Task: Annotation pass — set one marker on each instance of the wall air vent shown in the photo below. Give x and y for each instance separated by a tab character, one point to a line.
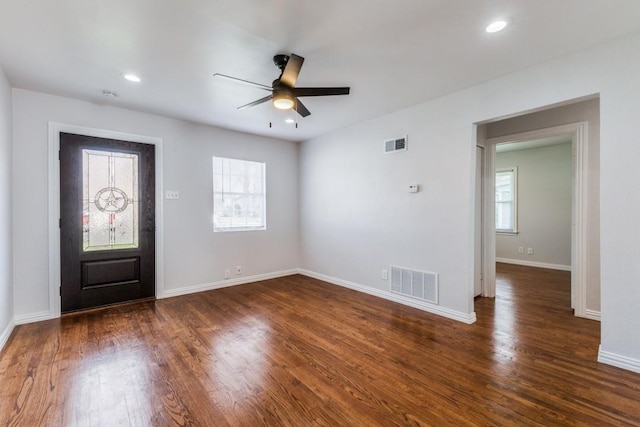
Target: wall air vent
420	285
396	144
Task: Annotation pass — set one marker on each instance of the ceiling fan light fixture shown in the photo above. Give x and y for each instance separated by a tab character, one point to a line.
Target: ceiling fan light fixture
283	101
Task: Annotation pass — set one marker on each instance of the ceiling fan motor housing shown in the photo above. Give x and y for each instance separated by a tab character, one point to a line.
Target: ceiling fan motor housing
281	60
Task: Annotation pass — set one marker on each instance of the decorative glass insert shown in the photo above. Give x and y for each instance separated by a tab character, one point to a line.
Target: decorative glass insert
238	195
110	201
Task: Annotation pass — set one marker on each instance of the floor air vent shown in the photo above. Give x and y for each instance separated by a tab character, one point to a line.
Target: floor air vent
397	144
415	284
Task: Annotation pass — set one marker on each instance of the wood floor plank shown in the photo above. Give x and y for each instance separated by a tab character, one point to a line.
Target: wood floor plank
296	351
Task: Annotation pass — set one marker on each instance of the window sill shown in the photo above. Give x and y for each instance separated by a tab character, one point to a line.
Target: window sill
507	233
228	230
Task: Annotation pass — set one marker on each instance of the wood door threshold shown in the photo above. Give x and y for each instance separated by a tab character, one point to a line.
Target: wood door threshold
107	306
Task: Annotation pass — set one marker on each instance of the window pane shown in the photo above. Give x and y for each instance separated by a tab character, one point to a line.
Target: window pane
505	209
238	195
504	186
504	217
237	183
255	185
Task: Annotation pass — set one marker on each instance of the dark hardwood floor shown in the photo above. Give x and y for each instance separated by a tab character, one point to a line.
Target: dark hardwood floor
300	352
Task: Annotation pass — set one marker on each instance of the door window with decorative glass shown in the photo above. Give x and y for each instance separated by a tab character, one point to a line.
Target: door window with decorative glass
110	200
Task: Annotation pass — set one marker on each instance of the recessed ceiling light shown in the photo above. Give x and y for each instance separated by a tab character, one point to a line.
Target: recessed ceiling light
496	26
289	120
132	78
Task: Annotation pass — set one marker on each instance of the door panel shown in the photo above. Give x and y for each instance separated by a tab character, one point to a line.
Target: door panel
114	272
107	224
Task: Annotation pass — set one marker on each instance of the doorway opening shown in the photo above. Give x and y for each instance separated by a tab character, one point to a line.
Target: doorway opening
576	133
533	211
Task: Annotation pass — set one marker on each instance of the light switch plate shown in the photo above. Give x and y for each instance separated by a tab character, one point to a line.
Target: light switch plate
172	195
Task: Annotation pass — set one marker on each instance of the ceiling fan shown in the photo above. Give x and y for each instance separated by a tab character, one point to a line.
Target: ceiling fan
284	93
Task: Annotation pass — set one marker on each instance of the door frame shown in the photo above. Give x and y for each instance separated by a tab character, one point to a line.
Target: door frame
54	204
478	264
579	132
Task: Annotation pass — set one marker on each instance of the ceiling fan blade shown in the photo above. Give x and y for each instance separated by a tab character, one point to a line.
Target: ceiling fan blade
254	103
291	70
321	91
246	82
301	109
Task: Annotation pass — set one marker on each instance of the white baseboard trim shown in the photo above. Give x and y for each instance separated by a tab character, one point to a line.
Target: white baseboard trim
618	361
388	295
225	283
592	314
4	337
33	317
425	306
534	264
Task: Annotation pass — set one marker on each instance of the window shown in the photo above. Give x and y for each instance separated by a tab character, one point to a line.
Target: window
238	195
506	200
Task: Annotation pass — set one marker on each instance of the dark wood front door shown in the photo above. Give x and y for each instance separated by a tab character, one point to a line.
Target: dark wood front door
107	221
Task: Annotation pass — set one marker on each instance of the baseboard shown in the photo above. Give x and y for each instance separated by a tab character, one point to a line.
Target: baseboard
6	333
425	306
33	317
534	264
618	361
46	315
440	311
592	314
225	283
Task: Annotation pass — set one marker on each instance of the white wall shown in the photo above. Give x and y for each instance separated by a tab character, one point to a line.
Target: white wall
6	284
357	217
544	205
193	254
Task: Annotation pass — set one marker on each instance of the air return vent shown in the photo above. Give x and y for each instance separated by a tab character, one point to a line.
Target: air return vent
420	285
397	144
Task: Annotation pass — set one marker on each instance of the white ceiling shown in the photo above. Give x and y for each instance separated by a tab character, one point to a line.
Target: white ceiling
393	54
534	143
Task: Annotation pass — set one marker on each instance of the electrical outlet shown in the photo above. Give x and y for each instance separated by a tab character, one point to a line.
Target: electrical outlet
529	251
384	275
238	270
227	274
521	250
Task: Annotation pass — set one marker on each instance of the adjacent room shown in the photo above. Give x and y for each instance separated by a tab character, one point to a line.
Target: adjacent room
332	213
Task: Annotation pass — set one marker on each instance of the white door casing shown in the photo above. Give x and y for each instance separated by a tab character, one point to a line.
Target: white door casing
579	210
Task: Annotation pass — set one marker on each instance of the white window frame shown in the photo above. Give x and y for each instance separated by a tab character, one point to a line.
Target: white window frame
232	228
514	201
